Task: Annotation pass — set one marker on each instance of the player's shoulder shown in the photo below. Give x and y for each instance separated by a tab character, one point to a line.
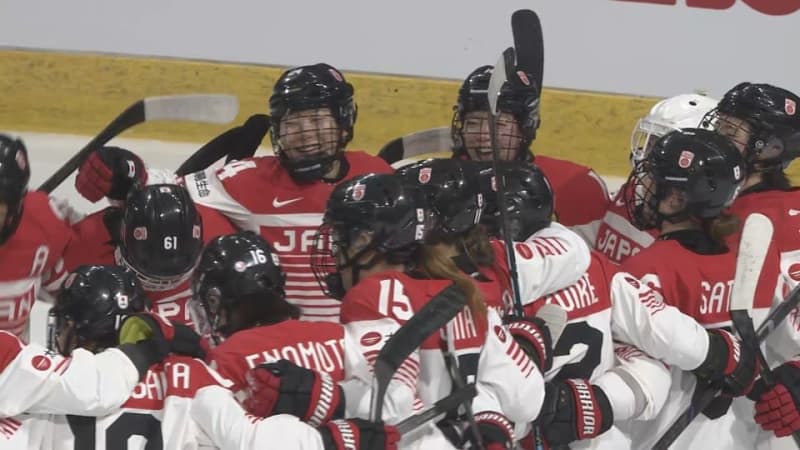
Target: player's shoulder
10	346
362	162
39	207
184	375
650	258
559	168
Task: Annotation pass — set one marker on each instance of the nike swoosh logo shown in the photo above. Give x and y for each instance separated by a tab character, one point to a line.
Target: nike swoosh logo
793	212
278	204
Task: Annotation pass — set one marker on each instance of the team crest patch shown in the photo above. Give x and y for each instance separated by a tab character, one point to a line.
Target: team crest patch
358	191
501	334
790	107
424	175
524	78
371	338
685	159
794	272
140	233
21	161
41	362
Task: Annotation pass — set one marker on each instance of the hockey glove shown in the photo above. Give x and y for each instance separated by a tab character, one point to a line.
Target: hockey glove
532	334
172	337
110	172
285	388
730	362
497	432
358	434
574	410
778	407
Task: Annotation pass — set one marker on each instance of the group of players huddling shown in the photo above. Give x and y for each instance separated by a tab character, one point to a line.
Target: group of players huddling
244	307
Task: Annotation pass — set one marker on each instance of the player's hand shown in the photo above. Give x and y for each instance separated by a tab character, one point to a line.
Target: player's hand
110	172
730	362
778	406
497	432
358	434
171	337
285	388
532	334
574	410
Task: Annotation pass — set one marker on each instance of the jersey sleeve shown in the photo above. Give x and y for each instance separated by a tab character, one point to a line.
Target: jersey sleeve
551	259
207	188
228	426
637	386
639	316
508	381
60	236
37	381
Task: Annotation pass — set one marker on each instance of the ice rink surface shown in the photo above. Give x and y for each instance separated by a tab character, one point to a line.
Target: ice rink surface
48	152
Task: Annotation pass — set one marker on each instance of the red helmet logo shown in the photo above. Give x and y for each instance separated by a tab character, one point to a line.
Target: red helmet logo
424	175
358	191
140	233
685	159
21	162
336	74
524	78
790	107
196	232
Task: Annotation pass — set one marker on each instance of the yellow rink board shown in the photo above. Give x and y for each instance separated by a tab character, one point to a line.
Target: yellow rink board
80	93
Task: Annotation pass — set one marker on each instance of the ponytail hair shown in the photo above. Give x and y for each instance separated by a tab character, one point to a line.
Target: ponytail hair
434	263
721	227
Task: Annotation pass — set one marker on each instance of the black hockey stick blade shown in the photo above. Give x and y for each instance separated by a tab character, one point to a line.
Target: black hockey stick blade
445	405
208	108
709	393
414	145
237	143
529	43
430	318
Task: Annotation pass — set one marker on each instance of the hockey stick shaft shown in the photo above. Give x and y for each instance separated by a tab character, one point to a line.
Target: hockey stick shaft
442	406
211	108
430	318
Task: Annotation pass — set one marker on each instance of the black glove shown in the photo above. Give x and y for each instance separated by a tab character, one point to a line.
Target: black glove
358	434
248	138
110	172
574	410
733	365
497	432
286	388
532	334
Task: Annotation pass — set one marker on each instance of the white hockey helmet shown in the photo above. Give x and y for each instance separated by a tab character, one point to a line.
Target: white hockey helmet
680	111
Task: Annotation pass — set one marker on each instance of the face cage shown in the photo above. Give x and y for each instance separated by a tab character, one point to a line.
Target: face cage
473	135
644	137
323	260
641	197
306	144
152	283
204	312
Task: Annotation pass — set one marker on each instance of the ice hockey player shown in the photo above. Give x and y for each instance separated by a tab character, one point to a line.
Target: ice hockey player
618	236
682	189
580	194
33	238
764	124
158	234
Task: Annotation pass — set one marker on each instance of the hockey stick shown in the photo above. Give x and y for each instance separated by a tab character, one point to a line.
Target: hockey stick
756	236
529	44
442	406
433	140
431	317
207	108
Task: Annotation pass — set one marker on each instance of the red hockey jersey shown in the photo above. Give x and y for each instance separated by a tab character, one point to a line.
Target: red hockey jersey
258	194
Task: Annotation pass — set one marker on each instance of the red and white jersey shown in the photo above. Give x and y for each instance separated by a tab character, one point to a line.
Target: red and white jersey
154	416
487	355
259	194
617	237
550	259
31	259
580	195
315	346
94	245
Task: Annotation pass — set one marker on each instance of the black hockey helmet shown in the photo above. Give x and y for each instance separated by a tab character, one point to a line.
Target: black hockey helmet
518	96
528	196
311	87
15	172
235	271
94	300
161	235
702	166
452	191
379	206
770	134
